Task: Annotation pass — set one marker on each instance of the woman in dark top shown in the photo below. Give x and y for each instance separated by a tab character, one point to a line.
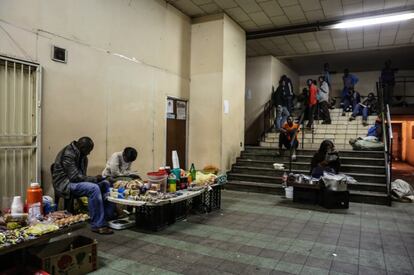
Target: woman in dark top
326	159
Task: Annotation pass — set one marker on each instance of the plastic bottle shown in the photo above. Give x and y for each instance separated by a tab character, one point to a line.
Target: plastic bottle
17	205
172	183
284	179
34	199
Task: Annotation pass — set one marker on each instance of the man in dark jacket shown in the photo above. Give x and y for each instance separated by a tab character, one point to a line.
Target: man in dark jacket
69	178
388	82
366	108
281	103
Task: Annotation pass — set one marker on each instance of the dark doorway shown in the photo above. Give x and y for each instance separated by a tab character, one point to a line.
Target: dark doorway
176	131
397	141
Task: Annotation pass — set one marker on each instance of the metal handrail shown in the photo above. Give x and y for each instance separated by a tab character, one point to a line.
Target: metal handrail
387	137
267	110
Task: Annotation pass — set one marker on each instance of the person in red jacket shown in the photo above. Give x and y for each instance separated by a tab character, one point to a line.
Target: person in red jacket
313	102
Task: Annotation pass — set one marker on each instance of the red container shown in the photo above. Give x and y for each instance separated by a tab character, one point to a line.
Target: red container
34	195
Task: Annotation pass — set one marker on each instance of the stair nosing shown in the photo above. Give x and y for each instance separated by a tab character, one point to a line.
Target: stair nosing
297	170
304	163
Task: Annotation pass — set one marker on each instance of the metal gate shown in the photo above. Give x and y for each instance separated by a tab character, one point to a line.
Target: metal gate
20	98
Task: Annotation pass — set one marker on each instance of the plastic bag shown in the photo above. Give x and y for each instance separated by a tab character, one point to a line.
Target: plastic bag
335	182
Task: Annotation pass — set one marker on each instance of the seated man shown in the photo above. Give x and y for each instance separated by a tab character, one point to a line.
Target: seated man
376	130
350	101
288	134
69	178
366	108
119	164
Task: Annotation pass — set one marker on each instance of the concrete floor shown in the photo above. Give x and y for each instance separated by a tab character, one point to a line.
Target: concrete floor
264	234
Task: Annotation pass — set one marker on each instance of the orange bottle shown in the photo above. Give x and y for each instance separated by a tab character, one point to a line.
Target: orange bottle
34	195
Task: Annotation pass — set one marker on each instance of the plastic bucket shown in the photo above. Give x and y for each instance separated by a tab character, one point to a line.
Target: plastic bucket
289	192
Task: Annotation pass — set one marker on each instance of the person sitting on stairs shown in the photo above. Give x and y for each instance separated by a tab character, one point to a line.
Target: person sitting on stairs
350	102
366	108
288	137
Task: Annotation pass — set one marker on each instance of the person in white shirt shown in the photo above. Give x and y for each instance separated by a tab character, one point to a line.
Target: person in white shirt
323	99
119	164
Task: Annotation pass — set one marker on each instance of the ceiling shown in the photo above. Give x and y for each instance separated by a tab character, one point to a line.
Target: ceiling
355	61
257	15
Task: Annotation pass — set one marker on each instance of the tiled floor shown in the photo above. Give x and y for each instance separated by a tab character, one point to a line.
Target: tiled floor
264	234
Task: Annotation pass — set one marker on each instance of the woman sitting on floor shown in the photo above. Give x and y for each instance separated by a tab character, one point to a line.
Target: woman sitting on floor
325	159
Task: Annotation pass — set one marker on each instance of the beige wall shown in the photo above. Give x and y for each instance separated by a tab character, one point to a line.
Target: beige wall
124	58
261	73
217	74
206	91
234	71
365	85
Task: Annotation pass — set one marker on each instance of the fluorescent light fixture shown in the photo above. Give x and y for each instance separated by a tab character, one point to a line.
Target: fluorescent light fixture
369	21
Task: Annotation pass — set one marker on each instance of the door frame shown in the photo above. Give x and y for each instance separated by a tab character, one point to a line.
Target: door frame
186	127
403	138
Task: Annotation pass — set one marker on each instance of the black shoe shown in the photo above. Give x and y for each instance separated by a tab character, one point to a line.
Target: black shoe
326	122
343	113
351	118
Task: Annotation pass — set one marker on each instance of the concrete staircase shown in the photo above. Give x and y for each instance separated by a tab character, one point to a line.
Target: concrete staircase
340	131
253	170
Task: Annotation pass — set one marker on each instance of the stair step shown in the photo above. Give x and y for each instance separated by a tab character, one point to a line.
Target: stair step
262	157
380	198
345	168
260	187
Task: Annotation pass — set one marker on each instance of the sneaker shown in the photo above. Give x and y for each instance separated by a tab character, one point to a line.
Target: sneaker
326	122
343	113
365	123
351	118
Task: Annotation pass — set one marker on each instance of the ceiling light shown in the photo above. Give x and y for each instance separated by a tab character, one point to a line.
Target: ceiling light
369	21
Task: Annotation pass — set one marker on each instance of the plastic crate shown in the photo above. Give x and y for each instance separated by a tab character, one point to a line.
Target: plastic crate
334	199
209	201
154	217
180	210
305	195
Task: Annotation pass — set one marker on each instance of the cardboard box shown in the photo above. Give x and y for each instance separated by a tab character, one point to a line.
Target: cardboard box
70	256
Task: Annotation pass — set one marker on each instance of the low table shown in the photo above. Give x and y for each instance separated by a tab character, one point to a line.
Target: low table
157	215
306	193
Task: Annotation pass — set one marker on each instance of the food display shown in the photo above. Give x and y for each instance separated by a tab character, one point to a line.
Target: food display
71	220
204	179
41	228
15	236
17	229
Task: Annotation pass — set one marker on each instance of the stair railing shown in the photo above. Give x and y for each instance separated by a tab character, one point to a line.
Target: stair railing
387	137
268	122
388	153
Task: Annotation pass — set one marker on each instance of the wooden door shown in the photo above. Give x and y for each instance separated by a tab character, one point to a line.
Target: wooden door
176	131
397	141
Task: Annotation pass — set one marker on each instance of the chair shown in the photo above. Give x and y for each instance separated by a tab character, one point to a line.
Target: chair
68	204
